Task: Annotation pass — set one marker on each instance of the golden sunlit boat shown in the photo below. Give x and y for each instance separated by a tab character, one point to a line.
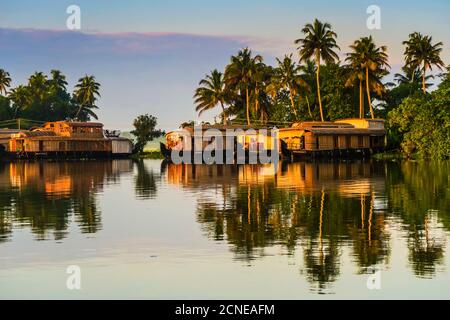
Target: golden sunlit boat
63	139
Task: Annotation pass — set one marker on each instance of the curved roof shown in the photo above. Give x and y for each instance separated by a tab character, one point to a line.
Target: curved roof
77	123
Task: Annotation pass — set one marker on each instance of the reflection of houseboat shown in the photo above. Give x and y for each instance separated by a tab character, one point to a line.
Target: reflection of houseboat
348	179
67	139
342	137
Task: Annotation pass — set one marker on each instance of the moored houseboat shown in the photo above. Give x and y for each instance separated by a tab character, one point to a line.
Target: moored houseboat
340	138
235	141
64	139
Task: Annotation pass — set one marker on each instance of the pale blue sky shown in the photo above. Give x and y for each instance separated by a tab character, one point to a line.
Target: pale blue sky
156	72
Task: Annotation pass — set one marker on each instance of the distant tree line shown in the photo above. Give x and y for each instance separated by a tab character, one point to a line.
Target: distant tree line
46	98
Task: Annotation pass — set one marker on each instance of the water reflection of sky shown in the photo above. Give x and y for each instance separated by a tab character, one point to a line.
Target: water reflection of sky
147	230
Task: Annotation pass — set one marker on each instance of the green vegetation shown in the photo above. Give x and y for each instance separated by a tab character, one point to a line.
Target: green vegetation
45	98
318	86
144	131
148	155
421	124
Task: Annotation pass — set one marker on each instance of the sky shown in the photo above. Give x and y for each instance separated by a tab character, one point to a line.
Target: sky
150	55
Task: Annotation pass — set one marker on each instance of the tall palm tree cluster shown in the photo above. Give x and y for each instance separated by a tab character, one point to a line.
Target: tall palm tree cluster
252	92
45	98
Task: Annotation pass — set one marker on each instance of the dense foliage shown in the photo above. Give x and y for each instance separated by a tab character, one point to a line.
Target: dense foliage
318	86
422	123
145	131
46	98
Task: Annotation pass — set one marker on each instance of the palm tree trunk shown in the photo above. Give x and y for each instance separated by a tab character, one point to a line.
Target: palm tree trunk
247	105
361	100
424	86
224	120
368	94
293	104
78	112
318	85
309	107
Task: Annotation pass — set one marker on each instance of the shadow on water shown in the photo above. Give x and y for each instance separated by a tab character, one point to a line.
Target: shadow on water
324	209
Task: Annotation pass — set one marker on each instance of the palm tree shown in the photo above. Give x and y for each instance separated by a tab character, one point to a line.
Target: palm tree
421	53
58	80
212	91
412	77
37	83
260	84
287	76
5	81
372	60
240	72
308	71
20	97
356	74
319	43
86	92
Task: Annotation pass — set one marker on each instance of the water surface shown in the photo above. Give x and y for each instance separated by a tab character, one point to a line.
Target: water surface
151	230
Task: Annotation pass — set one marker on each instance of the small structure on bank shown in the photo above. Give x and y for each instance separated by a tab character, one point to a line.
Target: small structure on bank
67	139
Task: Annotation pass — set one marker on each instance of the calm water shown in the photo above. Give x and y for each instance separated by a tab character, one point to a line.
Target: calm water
151	230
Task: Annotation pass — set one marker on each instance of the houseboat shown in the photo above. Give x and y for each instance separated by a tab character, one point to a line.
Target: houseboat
64	139
340	138
239	141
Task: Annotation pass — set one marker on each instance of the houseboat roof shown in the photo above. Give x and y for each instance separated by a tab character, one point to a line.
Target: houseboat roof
31	134
77	123
318	124
219	127
347	131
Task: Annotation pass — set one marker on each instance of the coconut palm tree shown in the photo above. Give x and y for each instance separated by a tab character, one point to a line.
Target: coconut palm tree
421	53
5	81
413	78
37	83
58	80
20	97
240	72
356	74
373	61
86	92
287	76
308	73
212	92
319	43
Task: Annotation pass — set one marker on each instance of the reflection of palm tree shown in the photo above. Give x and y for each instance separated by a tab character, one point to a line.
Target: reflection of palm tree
371	244
425	254
87	214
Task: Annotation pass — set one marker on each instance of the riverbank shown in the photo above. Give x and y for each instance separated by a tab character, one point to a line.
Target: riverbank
389	155
148	155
